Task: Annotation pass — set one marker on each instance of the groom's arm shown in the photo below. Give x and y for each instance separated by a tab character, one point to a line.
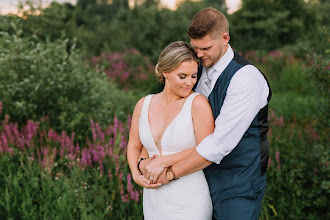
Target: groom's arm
190	164
246	95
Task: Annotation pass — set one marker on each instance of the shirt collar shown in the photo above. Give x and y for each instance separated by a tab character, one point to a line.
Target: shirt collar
224	60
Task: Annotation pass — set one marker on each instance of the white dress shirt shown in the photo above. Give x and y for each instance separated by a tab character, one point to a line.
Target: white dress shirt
246	94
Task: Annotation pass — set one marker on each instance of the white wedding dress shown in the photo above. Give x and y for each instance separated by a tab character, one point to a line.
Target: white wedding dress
187	197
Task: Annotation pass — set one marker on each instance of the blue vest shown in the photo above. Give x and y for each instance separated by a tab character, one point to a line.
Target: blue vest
249	158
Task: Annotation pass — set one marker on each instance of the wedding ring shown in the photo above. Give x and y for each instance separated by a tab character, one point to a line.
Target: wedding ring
151	178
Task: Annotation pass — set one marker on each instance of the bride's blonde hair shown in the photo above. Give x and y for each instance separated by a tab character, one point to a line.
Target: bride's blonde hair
172	56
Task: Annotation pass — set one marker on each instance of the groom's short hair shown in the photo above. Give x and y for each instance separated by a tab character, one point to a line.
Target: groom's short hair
208	21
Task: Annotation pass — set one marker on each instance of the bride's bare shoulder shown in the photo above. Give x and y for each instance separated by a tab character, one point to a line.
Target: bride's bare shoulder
202	115
139	105
200	103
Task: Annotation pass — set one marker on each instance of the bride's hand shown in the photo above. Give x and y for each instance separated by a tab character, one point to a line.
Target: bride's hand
144	163
154	169
142	181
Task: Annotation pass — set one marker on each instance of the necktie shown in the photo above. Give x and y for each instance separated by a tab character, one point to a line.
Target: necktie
206	83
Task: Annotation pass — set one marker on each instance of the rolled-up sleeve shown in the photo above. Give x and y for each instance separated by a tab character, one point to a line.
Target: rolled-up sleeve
246	95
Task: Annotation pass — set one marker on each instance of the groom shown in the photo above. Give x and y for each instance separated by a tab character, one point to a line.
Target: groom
235	156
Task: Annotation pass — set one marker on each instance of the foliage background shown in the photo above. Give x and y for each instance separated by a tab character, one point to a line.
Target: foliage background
70	76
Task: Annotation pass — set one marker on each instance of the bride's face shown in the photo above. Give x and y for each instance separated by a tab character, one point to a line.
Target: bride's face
181	80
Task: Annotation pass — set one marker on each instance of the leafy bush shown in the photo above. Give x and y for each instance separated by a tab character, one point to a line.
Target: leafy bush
43	78
318	63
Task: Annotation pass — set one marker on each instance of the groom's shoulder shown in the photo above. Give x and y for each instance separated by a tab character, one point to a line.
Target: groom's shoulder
241	60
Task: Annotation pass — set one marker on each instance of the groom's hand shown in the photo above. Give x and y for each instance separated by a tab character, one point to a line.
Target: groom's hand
154	169
162	178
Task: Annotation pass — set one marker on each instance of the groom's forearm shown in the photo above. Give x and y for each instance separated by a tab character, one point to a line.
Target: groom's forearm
190	164
172	159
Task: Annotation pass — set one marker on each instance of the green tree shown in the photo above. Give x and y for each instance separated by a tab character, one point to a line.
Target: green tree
267	24
218	4
86	3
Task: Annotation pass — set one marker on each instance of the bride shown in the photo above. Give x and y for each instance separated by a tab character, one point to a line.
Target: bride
170	124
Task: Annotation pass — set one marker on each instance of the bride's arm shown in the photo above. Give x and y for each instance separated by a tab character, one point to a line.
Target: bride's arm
202	118
203	126
134	148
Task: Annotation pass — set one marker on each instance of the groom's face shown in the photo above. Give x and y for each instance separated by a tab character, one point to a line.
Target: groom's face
209	49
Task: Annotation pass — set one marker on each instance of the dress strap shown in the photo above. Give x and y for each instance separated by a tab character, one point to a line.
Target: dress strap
146	104
144	110
191	98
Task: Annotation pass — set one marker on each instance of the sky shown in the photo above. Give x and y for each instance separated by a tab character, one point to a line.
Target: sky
7	6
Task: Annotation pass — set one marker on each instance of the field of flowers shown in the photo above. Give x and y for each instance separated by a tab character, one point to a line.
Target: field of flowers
46	175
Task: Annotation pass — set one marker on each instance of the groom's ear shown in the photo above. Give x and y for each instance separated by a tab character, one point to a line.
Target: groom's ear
225	38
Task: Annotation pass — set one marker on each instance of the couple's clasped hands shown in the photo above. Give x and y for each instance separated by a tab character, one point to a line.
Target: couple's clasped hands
153	173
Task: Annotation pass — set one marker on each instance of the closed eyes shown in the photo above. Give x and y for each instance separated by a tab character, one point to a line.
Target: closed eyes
184	76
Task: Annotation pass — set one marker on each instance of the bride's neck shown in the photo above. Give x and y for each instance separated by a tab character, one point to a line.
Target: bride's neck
169	97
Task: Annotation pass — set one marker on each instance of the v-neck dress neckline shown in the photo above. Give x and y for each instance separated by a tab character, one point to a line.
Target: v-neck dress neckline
167	127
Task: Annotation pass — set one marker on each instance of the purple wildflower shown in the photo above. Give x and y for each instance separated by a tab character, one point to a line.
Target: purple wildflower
277	159
276	53
109	174
311	131
269	162
93	129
